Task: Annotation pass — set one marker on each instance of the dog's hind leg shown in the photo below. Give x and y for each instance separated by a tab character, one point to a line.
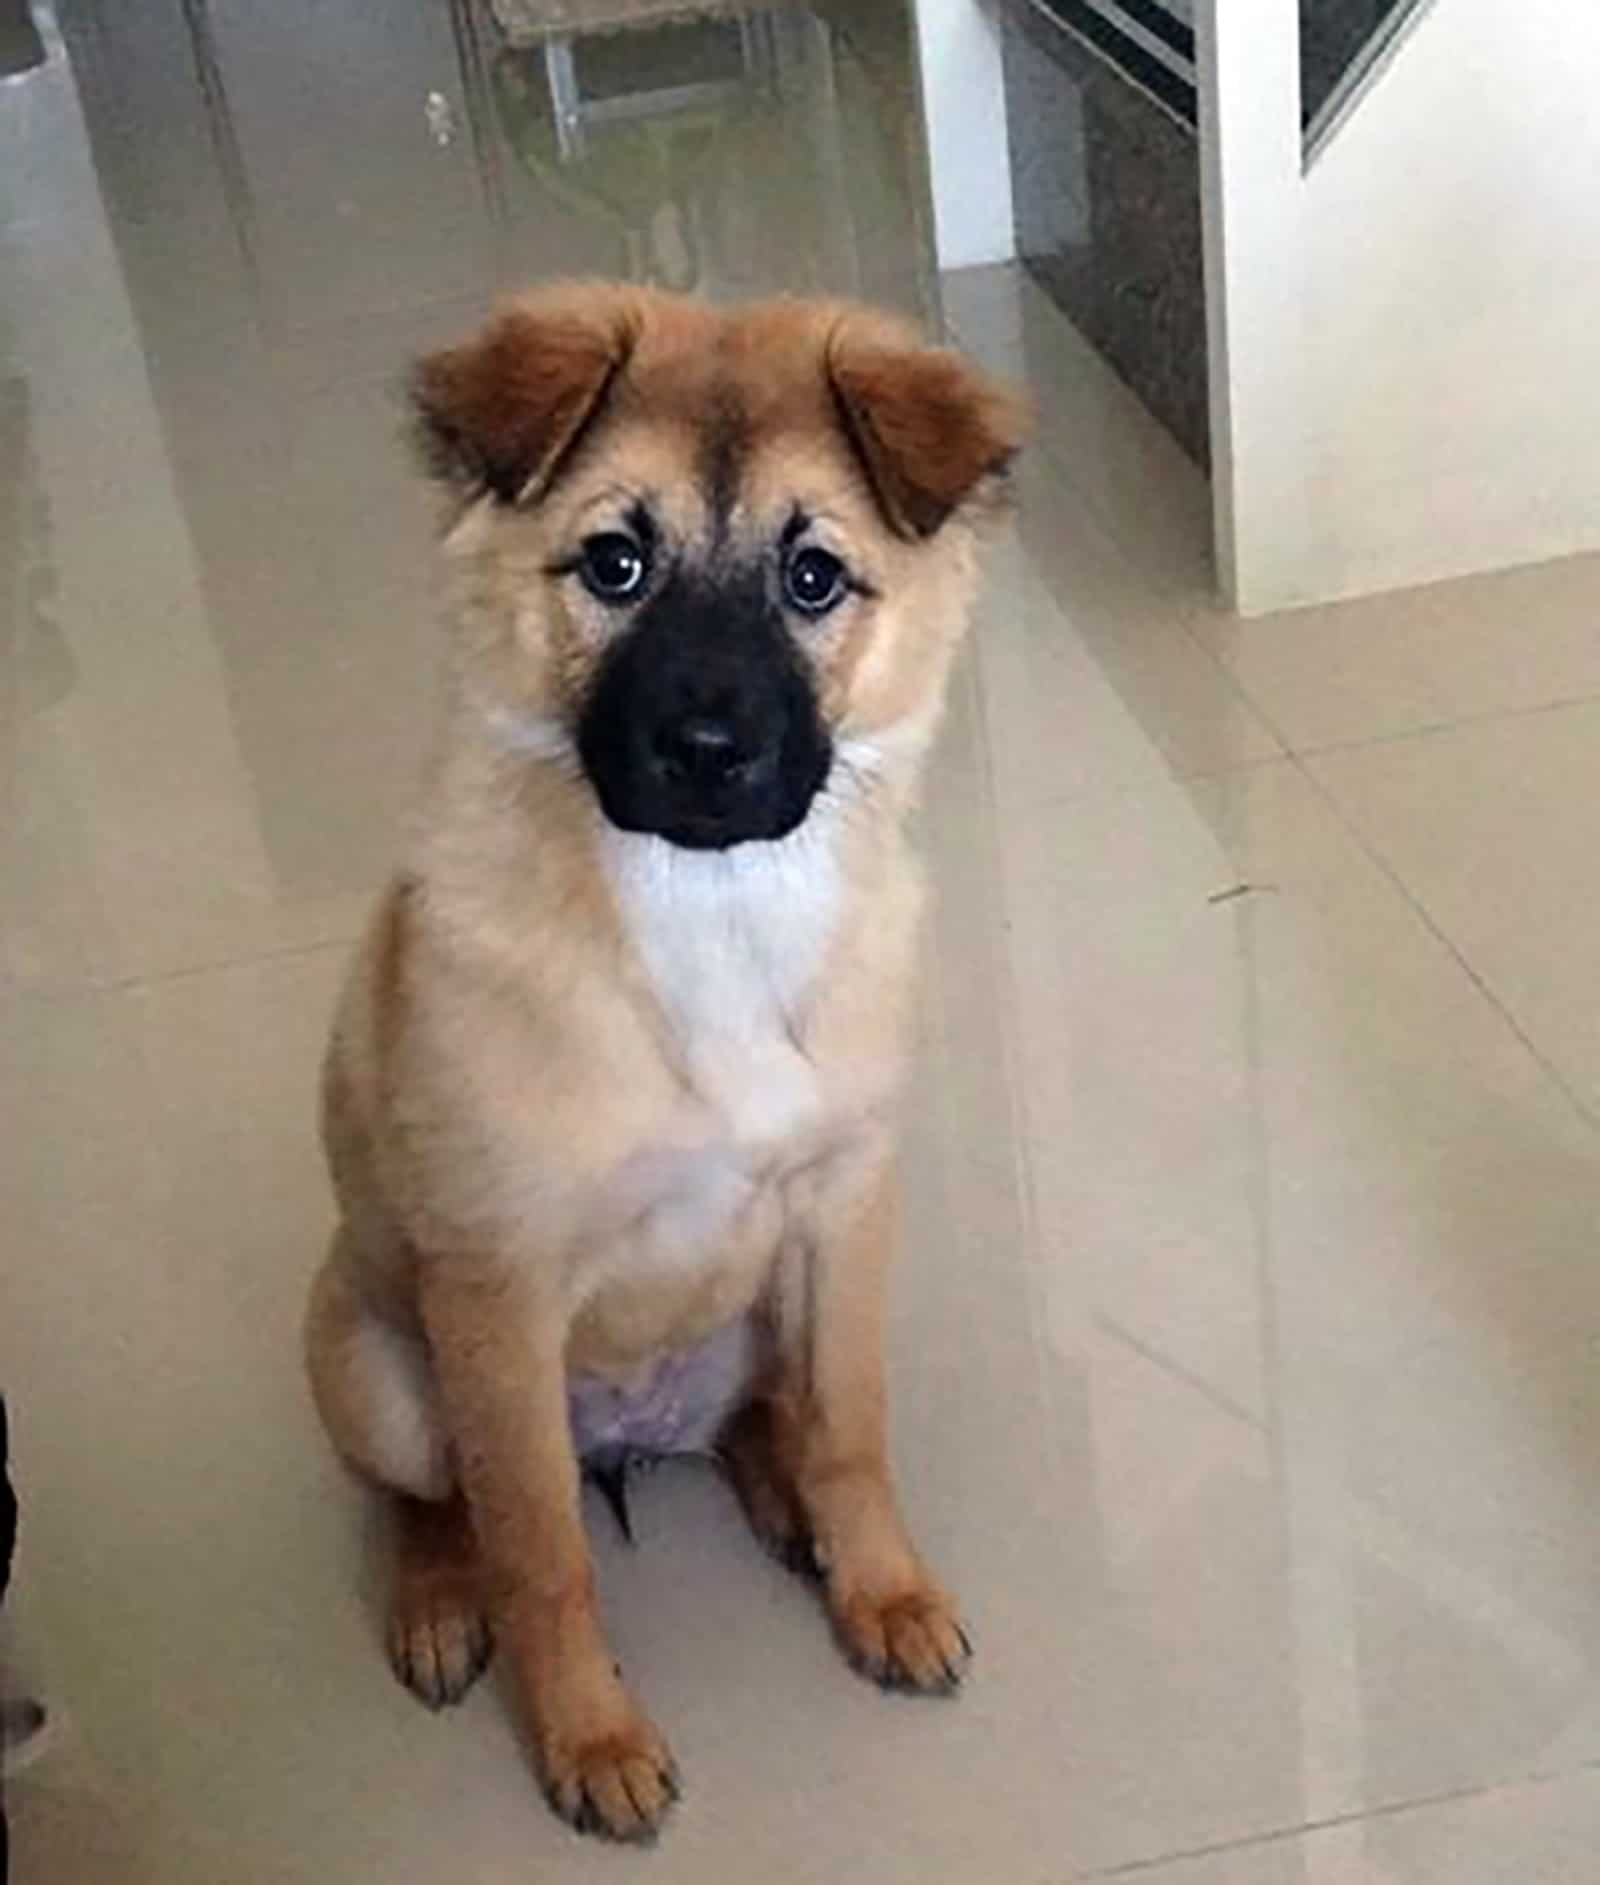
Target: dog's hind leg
374	1389
373	1385
438	1636
765	1487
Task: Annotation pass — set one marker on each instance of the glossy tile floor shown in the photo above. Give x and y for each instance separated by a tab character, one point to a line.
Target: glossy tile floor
1248	1337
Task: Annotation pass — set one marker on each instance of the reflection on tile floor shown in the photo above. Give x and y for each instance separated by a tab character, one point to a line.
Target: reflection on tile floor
1247	1337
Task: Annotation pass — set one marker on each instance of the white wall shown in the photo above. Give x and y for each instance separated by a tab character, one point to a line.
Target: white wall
1248	70
1407	339
963	97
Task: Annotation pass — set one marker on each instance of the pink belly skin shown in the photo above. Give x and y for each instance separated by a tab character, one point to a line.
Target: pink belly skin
680	1406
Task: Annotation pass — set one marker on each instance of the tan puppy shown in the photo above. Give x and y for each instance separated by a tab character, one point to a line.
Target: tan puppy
610	1101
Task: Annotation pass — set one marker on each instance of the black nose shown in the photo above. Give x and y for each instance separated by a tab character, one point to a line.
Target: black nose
701	751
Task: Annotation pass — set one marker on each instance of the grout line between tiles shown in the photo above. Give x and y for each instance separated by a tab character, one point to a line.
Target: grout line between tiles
1385	1810
1374	856
1186	1377
292	952
1433	729
161	978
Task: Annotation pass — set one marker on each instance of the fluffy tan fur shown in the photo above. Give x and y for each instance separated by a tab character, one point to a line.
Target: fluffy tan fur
590	1099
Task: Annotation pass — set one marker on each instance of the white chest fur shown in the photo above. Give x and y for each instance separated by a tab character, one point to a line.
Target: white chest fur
733	943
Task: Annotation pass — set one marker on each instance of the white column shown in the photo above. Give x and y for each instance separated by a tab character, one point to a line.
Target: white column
1250	188
963	97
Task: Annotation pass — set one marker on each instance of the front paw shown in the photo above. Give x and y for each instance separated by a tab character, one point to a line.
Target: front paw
909	1639
617	1781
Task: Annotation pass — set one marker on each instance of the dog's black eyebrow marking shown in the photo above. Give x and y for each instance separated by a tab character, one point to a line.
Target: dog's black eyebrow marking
799	523
641	523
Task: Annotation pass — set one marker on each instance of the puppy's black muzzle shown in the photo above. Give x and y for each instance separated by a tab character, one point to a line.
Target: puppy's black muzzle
702	726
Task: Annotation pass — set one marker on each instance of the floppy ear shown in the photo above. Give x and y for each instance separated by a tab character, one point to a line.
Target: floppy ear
503	411
930	429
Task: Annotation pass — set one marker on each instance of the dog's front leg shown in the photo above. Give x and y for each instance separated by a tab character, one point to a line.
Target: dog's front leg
498	1346
895	1622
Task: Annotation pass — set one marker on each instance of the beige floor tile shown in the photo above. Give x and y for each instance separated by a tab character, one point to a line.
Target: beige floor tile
1282	1149
1367	670
1486	826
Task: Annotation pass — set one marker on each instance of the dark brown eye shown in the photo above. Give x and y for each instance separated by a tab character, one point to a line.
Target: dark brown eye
814	580
613	566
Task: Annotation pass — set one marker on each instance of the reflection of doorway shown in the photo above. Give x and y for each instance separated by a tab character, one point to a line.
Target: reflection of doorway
415	156
659	135
628	122
598	75
285	158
